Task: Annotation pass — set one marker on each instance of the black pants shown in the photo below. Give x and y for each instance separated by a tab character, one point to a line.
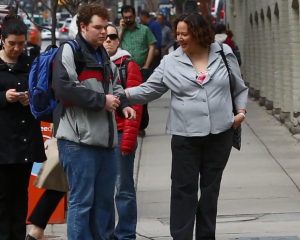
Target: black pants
192	156
14	180
145	115
45	207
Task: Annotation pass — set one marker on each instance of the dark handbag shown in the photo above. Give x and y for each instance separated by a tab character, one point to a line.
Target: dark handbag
237	134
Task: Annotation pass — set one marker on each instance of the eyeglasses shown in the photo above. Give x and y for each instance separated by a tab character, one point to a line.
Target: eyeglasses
113	36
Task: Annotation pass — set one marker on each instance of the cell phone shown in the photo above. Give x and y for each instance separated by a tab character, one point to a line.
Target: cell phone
21	93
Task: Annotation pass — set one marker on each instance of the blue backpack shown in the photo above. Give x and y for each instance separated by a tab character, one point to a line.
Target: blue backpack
42	100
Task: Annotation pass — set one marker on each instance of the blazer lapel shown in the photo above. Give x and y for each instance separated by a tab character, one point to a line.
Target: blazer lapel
213	63
185	67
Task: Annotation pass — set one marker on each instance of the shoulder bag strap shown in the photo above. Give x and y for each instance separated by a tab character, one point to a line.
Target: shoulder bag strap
232	84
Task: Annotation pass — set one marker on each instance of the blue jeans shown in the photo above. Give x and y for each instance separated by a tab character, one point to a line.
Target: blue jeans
125	198
91	173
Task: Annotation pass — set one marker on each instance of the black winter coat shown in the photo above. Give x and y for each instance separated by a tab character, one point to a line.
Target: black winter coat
21	138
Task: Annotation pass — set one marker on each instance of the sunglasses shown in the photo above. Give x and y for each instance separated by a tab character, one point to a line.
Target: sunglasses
113	36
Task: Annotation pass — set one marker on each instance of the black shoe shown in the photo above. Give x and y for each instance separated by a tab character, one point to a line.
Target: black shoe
28	237
142	133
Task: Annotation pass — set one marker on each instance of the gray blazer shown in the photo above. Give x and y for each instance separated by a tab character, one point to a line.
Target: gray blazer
195	110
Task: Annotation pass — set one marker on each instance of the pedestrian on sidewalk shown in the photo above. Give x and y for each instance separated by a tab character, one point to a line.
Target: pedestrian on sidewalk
221	36
167	39
125	197
85	127
21	139
200	119
139	41
236	51
155	28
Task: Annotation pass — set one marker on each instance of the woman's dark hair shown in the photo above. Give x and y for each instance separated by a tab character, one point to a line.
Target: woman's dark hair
13	25
229	33
198	27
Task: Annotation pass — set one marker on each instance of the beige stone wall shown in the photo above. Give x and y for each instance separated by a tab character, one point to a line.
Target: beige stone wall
267	33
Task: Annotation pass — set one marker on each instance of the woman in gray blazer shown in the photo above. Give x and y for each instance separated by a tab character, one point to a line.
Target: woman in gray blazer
200	119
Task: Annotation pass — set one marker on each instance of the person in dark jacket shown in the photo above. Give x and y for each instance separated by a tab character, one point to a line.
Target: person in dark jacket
89	100
236	48
21	139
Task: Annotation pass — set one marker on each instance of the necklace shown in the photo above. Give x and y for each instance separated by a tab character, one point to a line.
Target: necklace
200	76
199	73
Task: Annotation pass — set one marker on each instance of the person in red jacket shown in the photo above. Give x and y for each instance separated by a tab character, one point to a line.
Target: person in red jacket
221	36
125	197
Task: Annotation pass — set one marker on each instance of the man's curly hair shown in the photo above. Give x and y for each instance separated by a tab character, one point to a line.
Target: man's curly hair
198	27
86	12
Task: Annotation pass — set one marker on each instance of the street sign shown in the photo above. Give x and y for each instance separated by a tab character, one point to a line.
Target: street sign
165	5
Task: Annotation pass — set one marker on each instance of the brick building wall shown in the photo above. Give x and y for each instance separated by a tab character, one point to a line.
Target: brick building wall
267	33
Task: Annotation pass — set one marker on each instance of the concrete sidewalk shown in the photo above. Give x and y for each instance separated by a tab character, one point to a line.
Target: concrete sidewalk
259	195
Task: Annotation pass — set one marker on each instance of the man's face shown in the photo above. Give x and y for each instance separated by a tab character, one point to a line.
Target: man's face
160	19
129	18
95	32
143	19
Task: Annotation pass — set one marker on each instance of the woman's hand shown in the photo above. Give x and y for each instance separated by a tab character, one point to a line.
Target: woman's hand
12	95
24	99
238	119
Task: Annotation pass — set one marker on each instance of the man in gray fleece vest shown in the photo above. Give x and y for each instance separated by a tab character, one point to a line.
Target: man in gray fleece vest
88	87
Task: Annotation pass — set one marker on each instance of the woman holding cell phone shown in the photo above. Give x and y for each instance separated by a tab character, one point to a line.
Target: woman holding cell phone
21	141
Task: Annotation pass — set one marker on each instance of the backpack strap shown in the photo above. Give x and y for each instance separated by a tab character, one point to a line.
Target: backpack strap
123	72
77	50
232	84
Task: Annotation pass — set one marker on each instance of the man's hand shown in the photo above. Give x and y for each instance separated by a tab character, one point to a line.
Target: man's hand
129	113
122	24
24	99
12	95
238	119
156	52
112	102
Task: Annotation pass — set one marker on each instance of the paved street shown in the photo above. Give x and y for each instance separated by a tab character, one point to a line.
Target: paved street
260	194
